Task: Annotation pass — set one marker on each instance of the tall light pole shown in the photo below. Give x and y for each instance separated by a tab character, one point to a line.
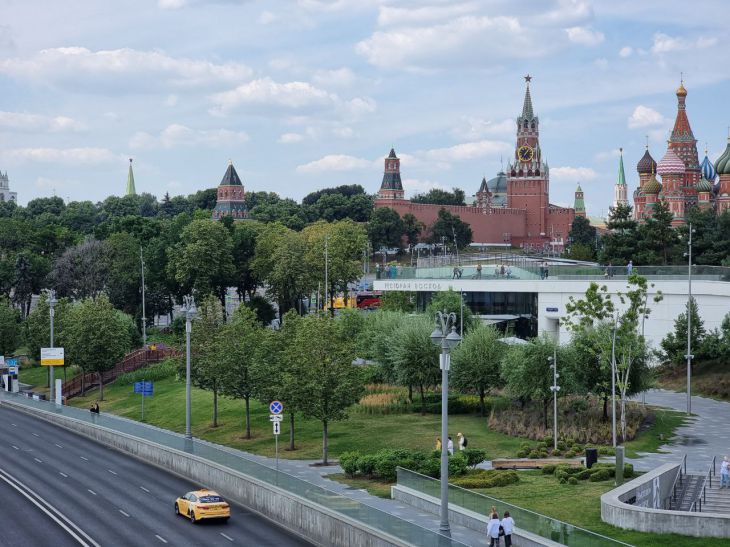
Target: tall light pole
446	340
326	271
190	311
461	316
52	311
555	388
689	322
613	382
144	315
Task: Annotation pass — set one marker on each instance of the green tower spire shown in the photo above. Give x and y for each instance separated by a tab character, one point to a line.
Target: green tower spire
130	180
579	205
621	175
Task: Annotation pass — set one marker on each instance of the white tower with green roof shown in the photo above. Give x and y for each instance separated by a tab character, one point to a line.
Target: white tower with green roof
619	190
130	181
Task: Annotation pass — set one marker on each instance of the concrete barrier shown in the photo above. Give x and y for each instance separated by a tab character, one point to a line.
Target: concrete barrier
312	521
464	517
637	505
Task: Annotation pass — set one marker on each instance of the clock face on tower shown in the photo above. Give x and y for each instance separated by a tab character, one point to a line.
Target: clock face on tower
524	153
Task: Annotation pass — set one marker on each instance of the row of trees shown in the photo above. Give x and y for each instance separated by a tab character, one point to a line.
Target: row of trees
387	229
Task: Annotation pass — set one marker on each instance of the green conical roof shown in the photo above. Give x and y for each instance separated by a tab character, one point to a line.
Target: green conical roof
579	205
130	180
527	105
621	175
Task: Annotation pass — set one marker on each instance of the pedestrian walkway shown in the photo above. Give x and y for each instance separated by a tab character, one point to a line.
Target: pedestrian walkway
706	433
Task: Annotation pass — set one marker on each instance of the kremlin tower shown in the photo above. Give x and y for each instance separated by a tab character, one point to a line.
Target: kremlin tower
619	190
391	187
231	201
579	204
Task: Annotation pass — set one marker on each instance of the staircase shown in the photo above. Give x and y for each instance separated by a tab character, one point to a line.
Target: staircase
717	500
691	490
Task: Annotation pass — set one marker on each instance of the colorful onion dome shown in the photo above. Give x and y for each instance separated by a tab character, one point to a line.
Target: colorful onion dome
722	165
681	91
670	164
708	170
704	185
652	186
646	164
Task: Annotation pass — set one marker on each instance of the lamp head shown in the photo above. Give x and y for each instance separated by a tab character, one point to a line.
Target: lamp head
453	339
437	336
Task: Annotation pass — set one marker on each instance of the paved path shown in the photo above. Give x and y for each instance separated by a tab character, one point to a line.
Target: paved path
706	434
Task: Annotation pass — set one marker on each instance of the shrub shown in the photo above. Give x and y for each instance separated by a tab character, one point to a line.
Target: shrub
522	453
457	465
628	470
560	475
160	371
572	480
534	454
431	467
548	469
486	479
563	480
570	454
547	440
561	446
606	451
349	463
366	464
584	475
600	475
474	456
568	470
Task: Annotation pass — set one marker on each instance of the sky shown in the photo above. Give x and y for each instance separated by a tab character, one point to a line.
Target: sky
307	94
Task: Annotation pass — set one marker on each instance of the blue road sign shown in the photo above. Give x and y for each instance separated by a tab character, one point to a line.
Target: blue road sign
12	364
145	388
276	407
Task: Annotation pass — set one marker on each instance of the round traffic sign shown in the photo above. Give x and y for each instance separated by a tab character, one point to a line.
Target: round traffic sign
276	407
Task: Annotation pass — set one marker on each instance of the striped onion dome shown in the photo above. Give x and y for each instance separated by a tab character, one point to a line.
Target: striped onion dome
652	186
704	185
708	170
722	165
670	164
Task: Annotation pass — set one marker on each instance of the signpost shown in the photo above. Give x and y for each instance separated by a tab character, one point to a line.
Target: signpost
52	357
276	408
146	388
12	365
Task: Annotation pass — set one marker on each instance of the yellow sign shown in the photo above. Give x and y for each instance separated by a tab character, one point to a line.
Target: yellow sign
52	357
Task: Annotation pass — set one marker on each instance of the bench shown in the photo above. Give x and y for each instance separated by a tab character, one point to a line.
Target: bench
529	463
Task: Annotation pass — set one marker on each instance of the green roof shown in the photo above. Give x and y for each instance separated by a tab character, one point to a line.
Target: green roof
621	176
130	180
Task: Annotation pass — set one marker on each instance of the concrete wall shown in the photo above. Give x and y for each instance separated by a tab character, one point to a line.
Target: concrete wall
464	517
303	517
636	506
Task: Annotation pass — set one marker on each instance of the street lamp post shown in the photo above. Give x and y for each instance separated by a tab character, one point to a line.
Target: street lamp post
613	382
445	337
52	312
190	311
461	317
144	314
689	322
555	388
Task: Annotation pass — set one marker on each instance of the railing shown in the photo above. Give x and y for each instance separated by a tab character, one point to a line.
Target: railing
131	362
530	521
706	482
681	472
243	463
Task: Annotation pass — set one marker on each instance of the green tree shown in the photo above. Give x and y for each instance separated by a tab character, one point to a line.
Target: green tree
398	301
595	306
657	238
475	362
450	301
236	354
378	335
201	263
329	382
244	249
124	273
97	336
82	271
412	228
450	226
582	232
385	228
441	197
620	243
37	327
9	327
674	344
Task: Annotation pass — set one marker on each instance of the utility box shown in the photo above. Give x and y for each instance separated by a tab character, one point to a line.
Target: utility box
591	457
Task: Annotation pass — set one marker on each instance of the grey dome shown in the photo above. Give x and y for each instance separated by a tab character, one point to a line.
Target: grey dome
498	188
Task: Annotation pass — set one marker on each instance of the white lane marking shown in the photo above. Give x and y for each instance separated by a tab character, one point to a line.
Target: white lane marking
92	492
123	513
112	472
85	459
163	540
15	447
58	445
229	538
143	488
64	475
49	510
36	434
39	461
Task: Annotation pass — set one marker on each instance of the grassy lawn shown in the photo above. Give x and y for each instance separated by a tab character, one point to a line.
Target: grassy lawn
709	379
38	376
666	421
374	487
364	432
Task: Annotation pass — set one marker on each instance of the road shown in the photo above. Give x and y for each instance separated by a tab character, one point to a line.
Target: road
58	488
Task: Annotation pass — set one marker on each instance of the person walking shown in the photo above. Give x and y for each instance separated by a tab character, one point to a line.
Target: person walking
493	530
542	271
438	444
508	526
479	270
629	267
455	275
462	441
377	271
450	447
610	270
724	473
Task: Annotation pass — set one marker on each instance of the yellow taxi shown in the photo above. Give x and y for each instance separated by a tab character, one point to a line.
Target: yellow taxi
202	504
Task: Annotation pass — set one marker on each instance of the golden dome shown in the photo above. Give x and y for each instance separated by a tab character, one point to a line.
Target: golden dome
681	91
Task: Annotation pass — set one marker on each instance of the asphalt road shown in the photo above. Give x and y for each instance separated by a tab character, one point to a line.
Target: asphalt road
58	488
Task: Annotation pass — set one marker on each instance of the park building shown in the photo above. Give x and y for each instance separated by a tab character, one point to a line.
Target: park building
5	193
512	208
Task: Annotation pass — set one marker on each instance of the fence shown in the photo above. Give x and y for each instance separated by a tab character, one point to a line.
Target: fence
131	362
535	523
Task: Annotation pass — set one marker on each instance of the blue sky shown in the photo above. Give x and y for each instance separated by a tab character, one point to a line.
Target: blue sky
303	94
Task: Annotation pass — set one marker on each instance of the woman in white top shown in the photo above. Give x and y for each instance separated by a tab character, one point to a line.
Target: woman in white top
508	525
724	473
493	530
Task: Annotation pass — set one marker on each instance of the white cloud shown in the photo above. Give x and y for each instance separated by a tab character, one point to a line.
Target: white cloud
468	150
266	18
360	106
388	15
626	51
66	156
80	67
643	116
584	36
175	135
290	138
341	77
572	174
477	128
334	5
607	155
171	100
21	121
335	162
664	43
171	4
265	91
343	132
418	186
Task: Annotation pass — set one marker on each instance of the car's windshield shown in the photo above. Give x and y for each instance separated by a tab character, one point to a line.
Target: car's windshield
210	499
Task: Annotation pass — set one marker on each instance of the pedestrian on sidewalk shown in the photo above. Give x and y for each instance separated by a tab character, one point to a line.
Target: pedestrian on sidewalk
724	473
493	530
462	441
479	270
629	267
438	444
508	526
